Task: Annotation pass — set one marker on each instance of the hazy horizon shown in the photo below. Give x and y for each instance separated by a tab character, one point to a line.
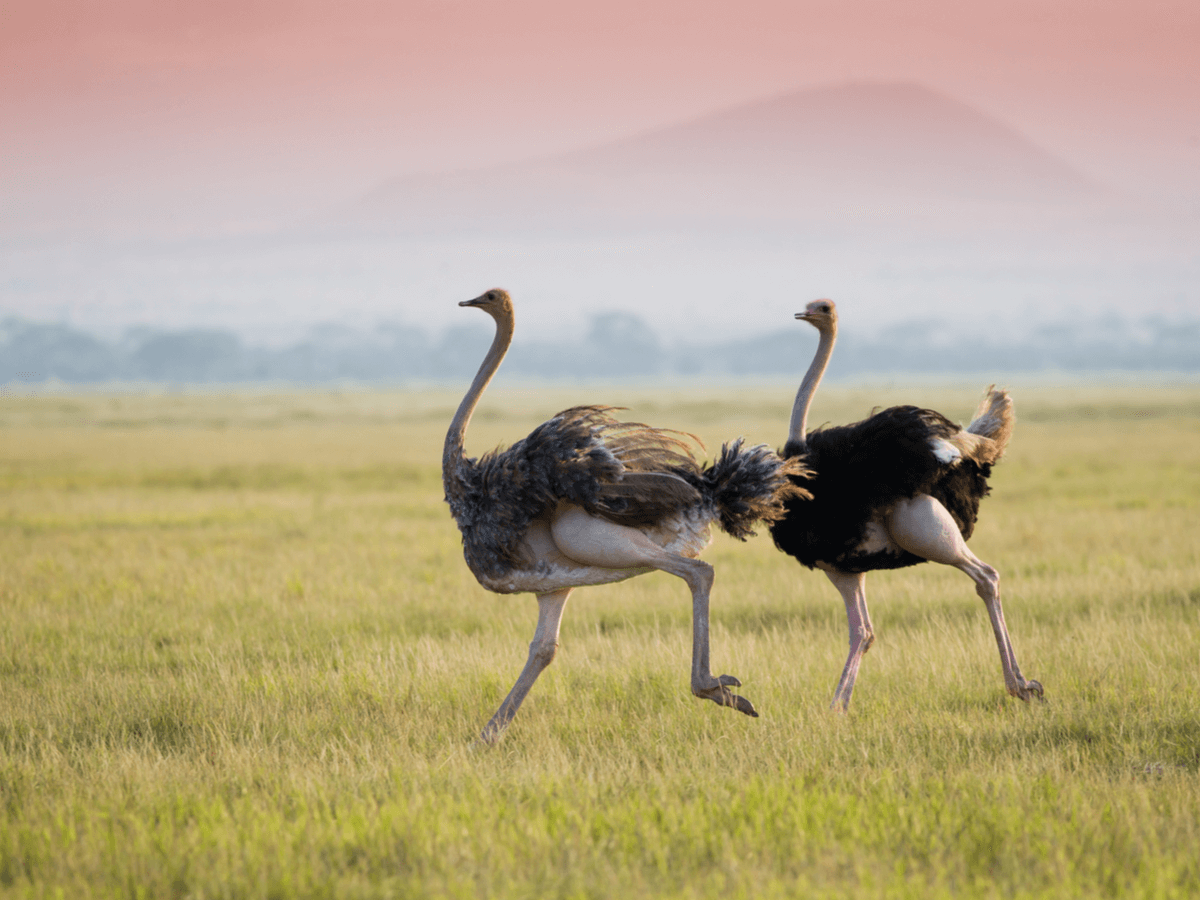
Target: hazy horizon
173	166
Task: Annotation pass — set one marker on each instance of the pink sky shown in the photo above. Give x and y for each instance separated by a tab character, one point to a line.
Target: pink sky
196	112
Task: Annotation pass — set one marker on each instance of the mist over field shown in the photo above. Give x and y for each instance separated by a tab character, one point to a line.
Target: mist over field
614	346
952	242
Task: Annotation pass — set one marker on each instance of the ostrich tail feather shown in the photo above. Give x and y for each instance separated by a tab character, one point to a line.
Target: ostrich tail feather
993	420
749	485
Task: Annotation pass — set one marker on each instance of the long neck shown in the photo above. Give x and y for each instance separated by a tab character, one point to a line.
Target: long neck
456	436
798	429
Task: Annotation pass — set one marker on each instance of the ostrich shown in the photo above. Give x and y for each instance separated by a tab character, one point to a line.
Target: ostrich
586	499
896	489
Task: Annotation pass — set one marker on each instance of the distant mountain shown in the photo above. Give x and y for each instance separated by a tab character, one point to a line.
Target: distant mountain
848	152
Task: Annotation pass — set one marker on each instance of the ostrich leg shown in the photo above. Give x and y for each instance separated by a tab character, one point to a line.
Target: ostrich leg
593	541
924	527
853	588
541	654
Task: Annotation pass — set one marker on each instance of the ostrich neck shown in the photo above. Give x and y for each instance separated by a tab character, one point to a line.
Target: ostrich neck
798	429
453	455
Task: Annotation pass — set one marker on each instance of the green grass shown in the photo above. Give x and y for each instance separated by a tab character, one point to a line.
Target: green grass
241	656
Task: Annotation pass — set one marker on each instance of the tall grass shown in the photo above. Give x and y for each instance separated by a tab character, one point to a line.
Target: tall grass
241	656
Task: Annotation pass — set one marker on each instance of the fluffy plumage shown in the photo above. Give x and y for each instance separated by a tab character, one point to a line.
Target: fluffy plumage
752	485
859	471
891	491
588	499
626	472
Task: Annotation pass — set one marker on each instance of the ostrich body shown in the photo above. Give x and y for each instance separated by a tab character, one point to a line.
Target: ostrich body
896	489
586	499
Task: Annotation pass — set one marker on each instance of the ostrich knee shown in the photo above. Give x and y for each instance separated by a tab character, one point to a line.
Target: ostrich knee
987	583
542	653
699	577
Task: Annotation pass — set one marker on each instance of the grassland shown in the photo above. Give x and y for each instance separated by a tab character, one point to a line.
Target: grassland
240	656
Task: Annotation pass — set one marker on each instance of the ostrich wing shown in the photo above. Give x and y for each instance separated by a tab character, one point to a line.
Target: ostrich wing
627	472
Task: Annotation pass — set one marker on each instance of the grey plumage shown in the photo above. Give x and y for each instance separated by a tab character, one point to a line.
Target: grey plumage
753	485
587	499
626	472
583	456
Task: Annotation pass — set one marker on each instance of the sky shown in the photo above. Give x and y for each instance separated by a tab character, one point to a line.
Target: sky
162	119
282	105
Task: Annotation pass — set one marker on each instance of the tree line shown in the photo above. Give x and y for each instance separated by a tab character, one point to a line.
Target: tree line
616	345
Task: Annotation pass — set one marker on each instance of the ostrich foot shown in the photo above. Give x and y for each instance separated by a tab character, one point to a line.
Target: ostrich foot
489	737
1027	690
718	691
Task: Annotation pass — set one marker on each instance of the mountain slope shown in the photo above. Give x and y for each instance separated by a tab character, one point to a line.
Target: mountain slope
847	151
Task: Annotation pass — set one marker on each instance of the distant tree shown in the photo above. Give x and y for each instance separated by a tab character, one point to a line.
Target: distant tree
32	351
457	354
620	343
407	351
616	345
193	355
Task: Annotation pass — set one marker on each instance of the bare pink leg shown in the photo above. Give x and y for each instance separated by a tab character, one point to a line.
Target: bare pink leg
924	527
597	542
541	654
853	588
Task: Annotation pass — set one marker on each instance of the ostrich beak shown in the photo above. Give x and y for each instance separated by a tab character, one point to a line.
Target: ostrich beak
475	302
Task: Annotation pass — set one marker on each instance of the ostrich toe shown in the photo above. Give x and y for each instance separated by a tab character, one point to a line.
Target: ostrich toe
718	691
1027	690
742	705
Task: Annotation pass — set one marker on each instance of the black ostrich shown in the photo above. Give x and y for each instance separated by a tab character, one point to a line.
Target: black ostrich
898	488
587	499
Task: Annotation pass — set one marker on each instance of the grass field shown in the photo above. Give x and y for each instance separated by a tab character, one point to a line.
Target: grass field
241	656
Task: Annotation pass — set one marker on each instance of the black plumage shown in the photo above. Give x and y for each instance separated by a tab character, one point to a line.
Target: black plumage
888	492
861	470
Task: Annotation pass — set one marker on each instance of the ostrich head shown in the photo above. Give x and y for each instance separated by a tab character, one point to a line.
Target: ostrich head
496	303
820	314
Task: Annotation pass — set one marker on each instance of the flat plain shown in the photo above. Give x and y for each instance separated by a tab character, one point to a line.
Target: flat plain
241	656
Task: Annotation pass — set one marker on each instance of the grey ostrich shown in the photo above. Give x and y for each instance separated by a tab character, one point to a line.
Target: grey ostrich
899	488
586	499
